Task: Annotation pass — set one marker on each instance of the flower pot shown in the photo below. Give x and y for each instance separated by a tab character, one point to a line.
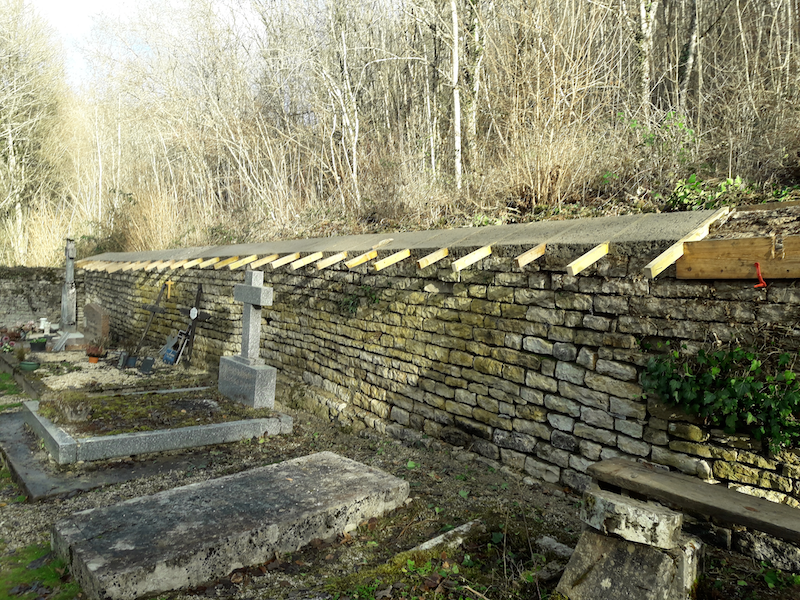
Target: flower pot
28	365
94	359
38	346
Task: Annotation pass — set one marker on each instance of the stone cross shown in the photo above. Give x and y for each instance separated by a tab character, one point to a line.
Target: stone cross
69	297
254	295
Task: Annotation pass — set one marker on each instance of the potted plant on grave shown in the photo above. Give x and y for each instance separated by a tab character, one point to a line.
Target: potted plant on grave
25	365
39	344
95	352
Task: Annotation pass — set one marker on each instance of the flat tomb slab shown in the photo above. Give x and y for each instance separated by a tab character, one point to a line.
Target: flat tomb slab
192	534
65	449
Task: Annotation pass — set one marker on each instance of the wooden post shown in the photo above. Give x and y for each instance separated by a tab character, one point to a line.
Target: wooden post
471	258
390	260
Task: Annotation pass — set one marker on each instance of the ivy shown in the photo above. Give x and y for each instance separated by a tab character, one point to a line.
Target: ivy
732	389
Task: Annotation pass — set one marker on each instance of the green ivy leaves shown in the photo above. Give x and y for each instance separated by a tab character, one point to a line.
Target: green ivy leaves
731	389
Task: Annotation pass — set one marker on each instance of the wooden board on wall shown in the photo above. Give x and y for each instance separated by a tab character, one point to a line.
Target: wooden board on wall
735	259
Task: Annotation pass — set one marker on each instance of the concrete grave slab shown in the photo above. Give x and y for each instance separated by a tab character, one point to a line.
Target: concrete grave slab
633	520
65	449
604	567
189	535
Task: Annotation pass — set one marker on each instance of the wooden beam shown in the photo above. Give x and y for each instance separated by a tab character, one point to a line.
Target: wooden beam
242	262
114	267
382	243
178	264
735	259
471	258
225	263
433	257
154	265
208	263
263	261
393	259
531	255
768	206
132	266
192	263
331	260
80	264
99	265
87	265
587	260
308	259
674	252
361	259
166	264
285	260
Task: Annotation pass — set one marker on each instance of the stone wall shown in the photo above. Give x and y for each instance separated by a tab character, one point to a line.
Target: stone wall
28	294
532	368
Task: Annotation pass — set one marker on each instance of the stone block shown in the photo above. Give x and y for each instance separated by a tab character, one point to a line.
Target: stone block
251	384
570	372
604	567
542	471
96	323
646	523
189	535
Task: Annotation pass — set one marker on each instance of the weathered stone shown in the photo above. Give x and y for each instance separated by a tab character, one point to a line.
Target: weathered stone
763	547
597	418
552	546
584	396
589	449
548	316
514	440
573	301
613	305
687	432
575	480
602	436
552	454
632	446
627	408
562	405
742	474
96	324
563	441
562	422
630	428
542	471
539	430
643	522
621	389
580	463
616	370
655	436
570	372
531	413
603	567
565	352
541	382
683	463
597	323
587	358
192	534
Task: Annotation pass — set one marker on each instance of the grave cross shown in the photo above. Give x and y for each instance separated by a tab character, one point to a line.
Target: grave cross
196	316
254	296
153	308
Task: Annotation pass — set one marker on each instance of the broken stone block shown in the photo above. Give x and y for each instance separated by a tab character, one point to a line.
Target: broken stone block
780	554
604	567
636	521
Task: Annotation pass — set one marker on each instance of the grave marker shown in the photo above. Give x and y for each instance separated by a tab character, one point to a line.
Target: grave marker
96	324
246	378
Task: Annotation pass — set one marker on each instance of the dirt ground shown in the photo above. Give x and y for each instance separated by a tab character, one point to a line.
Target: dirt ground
503	557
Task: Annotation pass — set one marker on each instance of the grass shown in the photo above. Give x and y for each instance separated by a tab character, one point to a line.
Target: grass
8	385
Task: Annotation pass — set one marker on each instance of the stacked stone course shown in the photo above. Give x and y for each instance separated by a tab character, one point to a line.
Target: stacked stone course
532	368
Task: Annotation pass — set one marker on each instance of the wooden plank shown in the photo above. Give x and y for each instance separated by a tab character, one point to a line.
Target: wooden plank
165	265
226	262
132	266
694	495
382	243
308	259
433	257
361	259
263	261
192	263
80	264
242	262
735	259
88	264
178	264
767	206
674	252
285	260
154	265
471	258
587	260
114	267
208	263
531	255
391	260
331	260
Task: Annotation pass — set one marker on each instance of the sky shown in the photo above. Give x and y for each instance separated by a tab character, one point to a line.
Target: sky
73	20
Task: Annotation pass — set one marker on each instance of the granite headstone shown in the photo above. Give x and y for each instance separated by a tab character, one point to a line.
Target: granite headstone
246	378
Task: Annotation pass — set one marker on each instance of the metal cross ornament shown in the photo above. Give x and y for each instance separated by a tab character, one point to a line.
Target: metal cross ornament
196	316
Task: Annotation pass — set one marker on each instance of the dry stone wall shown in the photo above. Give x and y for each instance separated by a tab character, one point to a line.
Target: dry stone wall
28	294
532	368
